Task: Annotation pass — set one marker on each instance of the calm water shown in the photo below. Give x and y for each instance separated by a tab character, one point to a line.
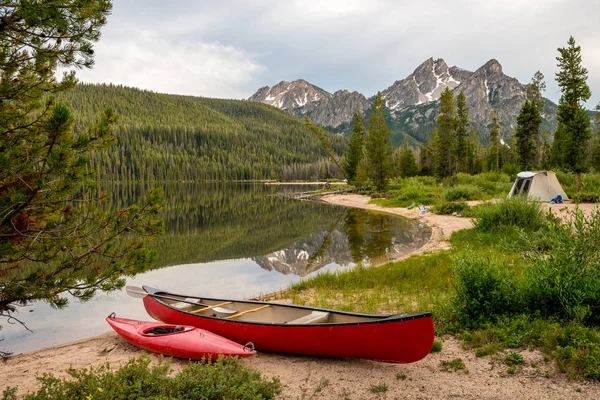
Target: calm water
230	241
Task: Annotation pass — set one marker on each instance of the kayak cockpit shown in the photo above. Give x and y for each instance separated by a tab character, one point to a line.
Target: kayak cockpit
166	330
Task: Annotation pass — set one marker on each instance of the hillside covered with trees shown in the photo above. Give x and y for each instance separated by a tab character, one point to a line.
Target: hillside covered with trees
170	137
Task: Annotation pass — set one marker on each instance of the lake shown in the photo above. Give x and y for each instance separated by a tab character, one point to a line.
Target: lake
230	240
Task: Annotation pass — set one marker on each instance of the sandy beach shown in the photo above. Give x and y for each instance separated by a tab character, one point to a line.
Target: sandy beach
321	378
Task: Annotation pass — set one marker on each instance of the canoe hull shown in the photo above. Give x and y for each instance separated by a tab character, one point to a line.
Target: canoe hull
192	343
397	339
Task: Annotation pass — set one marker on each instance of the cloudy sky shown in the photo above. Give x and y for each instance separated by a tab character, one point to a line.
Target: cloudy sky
230	48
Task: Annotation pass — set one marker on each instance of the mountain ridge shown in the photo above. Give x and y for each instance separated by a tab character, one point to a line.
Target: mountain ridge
412	102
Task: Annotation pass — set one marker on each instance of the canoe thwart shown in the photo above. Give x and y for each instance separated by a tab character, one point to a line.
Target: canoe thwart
211	307
248	311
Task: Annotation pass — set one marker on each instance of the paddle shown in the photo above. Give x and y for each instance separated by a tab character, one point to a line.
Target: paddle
140	293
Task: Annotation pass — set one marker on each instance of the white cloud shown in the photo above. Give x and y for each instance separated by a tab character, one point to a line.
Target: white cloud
231	48
143	59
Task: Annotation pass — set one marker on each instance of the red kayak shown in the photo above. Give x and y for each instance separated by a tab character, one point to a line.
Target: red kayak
287	328
177	341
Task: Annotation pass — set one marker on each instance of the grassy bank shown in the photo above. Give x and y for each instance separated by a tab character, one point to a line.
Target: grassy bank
519	279
445	198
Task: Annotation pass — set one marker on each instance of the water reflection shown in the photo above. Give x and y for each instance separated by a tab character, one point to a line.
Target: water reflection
228	240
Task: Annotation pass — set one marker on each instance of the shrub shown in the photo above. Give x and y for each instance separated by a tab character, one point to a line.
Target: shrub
462	192
512	359
449	207
437	346
224	378
485	290
512	212
586	197
566	280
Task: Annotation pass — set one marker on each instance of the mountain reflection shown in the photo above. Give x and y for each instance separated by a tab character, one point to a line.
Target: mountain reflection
358	237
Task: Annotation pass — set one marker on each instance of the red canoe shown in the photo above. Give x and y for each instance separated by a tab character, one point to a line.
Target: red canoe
286	328
177	341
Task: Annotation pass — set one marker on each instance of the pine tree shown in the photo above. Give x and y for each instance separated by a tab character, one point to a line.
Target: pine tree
377	146
462	128
407	165
494	144
573	121
53	237
545	152
534	96
446	144
473	156
427	156
356	146
535	89
528	131
595	156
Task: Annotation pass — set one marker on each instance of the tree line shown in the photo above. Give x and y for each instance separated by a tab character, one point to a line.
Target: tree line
164	137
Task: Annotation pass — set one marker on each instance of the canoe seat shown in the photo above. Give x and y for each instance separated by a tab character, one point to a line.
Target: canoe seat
183	305
312	318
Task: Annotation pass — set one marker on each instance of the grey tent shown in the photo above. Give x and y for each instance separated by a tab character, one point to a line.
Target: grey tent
538	185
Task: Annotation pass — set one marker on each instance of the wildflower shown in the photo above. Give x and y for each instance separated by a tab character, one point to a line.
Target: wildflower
100	390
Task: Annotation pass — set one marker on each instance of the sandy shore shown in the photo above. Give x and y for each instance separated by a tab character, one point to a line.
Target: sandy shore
320	378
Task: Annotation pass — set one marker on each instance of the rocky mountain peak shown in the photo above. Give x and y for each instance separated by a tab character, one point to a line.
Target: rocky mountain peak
301	98
492	67
424	85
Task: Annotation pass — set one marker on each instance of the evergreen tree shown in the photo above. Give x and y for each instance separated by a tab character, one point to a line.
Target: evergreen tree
446	143
545	152
356	146
595	156
494	144
427	155
378	148
534	96
462	127
573	121
528	131
535	89
407	165
473	156
53	237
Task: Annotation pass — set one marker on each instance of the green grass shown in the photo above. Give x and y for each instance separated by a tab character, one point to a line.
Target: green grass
379	388
447	199
453	365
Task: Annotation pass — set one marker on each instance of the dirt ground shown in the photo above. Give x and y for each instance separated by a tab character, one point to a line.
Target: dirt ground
322	378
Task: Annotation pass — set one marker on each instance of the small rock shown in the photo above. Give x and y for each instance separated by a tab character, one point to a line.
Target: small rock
109	348
454	214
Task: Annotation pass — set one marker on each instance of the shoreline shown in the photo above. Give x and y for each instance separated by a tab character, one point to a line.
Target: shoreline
314	377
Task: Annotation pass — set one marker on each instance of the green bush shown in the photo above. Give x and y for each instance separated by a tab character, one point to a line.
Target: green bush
437	346
222	379
515	211
485	290
462	192
586	197
450	207
565	281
